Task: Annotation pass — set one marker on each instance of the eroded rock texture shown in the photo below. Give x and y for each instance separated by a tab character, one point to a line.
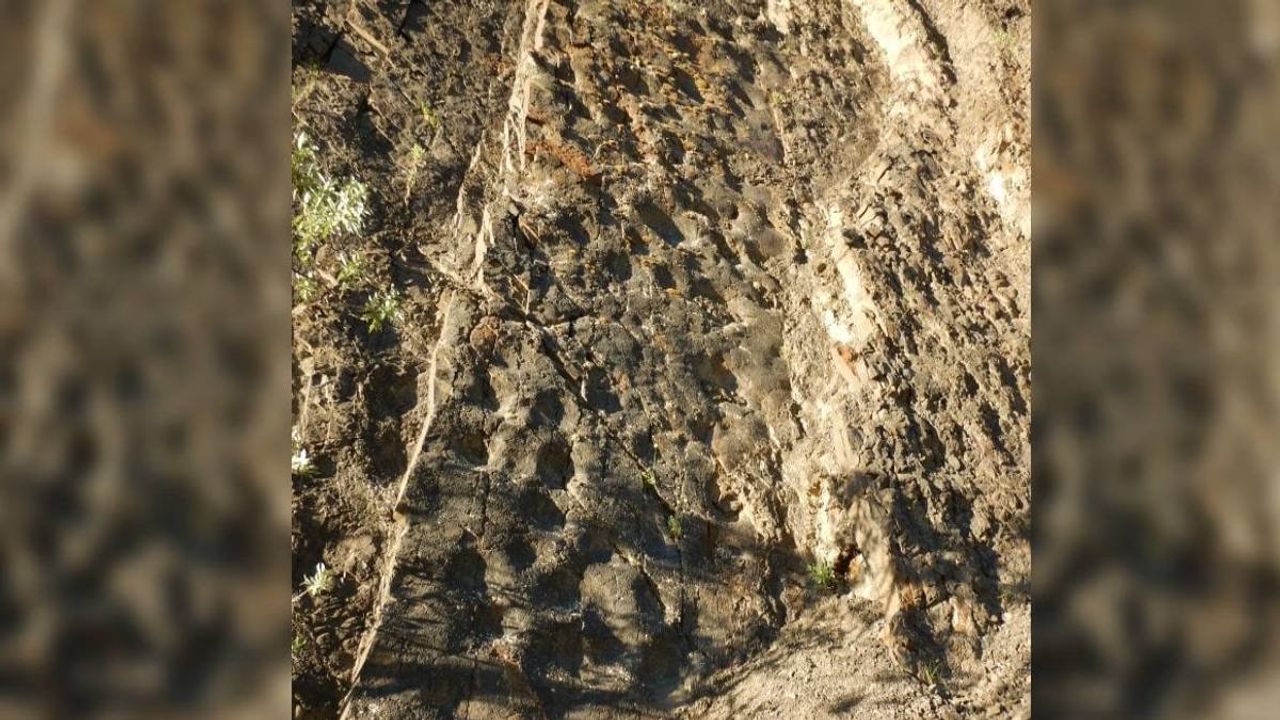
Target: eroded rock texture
709	294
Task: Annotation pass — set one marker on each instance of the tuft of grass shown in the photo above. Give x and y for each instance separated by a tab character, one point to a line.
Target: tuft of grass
429	117
305	83
382	309
1005	41
412	166
931	672
675	527
323	207
298	644
318	583
822	574
650	480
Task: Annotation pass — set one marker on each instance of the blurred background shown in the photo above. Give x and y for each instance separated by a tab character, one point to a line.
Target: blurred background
1156	288
144	359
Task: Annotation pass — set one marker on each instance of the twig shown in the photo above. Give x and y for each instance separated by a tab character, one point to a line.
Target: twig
367	36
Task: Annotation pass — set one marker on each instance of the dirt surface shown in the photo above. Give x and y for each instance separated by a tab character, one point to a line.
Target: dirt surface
698	299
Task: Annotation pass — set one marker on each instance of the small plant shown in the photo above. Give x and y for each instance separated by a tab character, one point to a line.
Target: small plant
413	165
931	672
324	206
303	165
1006	41
319	582
675	527
650	480
308	74
299	643
382	309
351	268
302	465
304	287
822	574
429	117
301	462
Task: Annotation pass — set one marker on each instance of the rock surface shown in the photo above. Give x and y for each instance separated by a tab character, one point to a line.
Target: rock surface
700	296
